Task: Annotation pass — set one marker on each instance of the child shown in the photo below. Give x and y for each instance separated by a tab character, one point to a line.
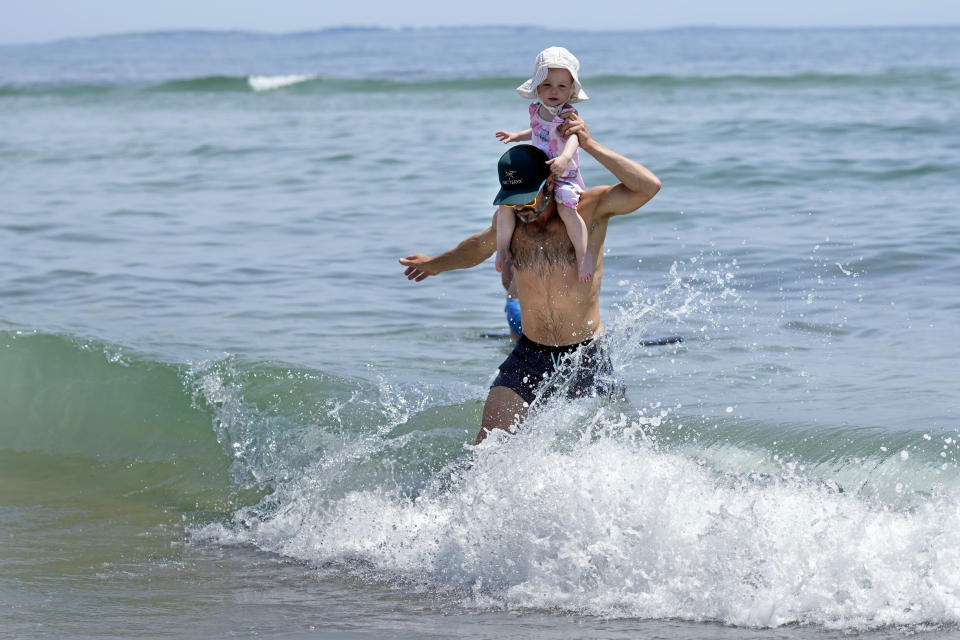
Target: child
554	86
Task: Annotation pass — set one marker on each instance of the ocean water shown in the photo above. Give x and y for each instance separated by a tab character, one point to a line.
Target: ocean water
226	412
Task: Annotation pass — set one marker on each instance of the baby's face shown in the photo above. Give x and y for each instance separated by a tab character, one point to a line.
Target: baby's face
557	88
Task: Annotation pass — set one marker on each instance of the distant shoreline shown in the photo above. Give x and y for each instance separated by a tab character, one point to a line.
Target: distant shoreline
348	29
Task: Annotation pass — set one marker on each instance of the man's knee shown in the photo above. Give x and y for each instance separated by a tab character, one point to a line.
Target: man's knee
504	409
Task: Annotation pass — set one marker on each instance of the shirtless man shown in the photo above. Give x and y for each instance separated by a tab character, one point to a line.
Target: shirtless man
561	317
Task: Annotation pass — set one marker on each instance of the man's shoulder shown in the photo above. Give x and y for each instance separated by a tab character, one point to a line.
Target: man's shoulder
591	198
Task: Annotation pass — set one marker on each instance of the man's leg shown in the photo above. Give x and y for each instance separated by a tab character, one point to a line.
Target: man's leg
503	409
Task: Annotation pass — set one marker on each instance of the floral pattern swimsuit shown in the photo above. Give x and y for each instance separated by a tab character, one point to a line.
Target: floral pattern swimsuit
545	135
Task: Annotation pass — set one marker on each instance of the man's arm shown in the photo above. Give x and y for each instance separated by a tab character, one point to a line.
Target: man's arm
637	183
468	253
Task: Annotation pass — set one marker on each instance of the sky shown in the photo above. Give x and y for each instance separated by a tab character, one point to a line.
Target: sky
43	20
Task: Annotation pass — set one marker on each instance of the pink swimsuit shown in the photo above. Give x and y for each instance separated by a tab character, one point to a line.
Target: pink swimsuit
545	136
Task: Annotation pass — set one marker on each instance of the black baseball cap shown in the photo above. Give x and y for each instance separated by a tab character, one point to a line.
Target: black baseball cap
522	170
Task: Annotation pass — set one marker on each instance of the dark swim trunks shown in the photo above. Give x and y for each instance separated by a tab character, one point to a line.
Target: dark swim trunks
584	373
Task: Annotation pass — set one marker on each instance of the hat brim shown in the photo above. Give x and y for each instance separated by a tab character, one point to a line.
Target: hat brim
514	197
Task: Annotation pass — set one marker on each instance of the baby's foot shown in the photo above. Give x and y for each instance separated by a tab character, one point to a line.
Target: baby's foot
585	268
503	256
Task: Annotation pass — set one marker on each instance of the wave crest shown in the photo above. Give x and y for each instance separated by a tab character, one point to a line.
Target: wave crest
601	521
270	83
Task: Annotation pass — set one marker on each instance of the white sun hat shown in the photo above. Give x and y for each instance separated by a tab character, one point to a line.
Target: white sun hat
553	58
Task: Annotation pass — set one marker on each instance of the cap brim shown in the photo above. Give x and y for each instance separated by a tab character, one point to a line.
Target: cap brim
512	197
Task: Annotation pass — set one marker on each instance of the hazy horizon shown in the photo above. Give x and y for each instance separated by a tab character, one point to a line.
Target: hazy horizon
479	27
52	20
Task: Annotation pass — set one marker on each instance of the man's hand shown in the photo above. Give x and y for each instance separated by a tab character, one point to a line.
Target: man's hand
575	125
415	269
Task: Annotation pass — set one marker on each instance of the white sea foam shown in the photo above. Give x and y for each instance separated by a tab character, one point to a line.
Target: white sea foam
584	510
581	512
269	83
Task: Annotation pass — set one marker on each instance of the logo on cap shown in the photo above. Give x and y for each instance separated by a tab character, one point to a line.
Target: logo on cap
510	177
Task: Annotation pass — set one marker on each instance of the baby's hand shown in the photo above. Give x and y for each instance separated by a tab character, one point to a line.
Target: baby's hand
558	165
505	137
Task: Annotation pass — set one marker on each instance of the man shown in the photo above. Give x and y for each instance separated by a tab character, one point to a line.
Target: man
561	317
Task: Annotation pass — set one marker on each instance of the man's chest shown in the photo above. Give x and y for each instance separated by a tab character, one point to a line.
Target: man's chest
542	245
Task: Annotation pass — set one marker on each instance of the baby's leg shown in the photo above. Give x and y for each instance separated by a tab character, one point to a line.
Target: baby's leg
577	230
506	221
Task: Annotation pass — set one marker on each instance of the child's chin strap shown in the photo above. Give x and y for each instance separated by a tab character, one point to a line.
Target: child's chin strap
553	111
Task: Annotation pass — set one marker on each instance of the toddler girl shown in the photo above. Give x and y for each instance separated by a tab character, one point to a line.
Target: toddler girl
554	86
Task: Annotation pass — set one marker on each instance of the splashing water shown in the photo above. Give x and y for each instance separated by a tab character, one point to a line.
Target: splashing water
606	509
